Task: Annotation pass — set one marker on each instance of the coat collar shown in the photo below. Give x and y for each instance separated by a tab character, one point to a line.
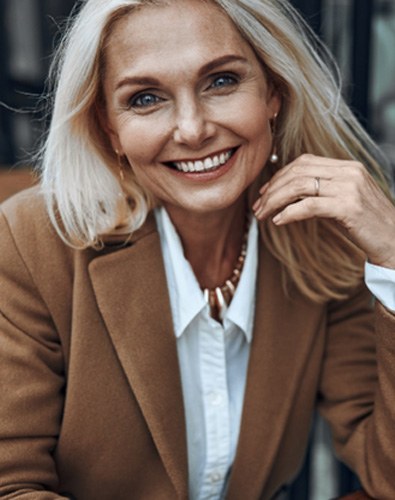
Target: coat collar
131	293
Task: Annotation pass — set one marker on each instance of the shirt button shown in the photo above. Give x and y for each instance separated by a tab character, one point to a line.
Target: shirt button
215	477
216	399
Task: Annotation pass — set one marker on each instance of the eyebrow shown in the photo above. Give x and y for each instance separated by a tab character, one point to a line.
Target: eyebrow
137	80
210	66
220	61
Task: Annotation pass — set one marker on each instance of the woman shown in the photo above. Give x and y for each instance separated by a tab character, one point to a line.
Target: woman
156	341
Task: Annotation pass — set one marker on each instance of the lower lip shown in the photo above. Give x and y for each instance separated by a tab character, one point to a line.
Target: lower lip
207	176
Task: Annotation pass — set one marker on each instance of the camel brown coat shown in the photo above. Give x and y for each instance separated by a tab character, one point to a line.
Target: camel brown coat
90	395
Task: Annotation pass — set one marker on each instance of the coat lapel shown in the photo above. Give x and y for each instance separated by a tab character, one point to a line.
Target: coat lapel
131	293
283	332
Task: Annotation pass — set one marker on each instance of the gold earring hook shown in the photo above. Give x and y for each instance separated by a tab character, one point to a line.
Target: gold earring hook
120	165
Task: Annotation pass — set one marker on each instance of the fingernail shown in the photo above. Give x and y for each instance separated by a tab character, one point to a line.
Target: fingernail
256	205
277	218
258	214
263	188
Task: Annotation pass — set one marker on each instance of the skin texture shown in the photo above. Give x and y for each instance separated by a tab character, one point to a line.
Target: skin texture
165	104
347	193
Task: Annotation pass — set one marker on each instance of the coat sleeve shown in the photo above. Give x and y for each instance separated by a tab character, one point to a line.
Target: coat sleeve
31	381
357	390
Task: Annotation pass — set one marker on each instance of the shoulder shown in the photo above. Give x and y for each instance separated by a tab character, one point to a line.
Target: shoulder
25	210
27	233
32	255
24	218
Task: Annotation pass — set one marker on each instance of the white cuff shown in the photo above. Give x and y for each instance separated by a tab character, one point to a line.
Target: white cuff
381	282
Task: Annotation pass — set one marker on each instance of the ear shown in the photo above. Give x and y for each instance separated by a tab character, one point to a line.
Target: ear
274	103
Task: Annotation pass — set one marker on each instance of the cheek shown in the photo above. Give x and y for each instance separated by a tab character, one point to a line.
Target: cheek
251	119
142	140
255	122
147	177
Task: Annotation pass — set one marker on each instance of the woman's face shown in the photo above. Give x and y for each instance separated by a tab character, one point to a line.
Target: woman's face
188	104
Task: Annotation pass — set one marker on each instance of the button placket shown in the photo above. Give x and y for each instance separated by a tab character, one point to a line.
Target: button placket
216	410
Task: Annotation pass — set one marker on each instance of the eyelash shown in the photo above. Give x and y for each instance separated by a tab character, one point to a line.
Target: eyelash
134	101
231	78
228	80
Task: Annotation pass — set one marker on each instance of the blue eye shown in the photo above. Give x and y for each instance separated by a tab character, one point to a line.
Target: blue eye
144	100
224	81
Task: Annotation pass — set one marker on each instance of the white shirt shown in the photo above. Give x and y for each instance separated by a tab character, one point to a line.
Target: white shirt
213	358
213	361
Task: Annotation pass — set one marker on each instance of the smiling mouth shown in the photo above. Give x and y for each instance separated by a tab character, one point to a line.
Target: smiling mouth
208	164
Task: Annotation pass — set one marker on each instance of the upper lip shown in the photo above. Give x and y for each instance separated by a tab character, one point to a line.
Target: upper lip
201	158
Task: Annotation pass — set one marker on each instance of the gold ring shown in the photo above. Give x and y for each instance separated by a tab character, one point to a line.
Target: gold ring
317	184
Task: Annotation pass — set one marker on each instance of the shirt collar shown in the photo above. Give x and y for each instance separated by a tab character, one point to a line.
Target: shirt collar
186	297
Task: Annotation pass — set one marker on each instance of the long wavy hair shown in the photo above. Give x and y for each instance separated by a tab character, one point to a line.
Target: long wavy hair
80	181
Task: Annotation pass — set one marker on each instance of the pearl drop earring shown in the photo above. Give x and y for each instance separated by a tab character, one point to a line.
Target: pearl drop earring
274	156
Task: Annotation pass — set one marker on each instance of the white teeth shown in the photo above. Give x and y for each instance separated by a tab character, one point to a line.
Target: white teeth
216	161
206	165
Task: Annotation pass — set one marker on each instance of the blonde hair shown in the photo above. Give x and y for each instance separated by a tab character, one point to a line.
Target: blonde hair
85	199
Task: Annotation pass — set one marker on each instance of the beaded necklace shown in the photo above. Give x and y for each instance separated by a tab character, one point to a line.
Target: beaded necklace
219	298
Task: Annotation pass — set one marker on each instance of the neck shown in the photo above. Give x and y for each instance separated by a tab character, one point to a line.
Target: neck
211	241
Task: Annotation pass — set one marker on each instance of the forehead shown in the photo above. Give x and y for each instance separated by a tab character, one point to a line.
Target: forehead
176	29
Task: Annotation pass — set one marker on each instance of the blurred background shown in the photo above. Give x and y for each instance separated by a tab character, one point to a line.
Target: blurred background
360	34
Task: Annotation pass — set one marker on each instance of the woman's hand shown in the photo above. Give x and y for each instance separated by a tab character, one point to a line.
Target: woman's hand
312	186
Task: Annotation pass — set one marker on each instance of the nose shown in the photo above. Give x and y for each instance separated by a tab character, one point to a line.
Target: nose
193	125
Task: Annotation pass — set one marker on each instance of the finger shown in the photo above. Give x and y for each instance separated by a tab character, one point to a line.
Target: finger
295	180
308	161
257	205
309	208
264	188
317	166
296	190
299	170
292	182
